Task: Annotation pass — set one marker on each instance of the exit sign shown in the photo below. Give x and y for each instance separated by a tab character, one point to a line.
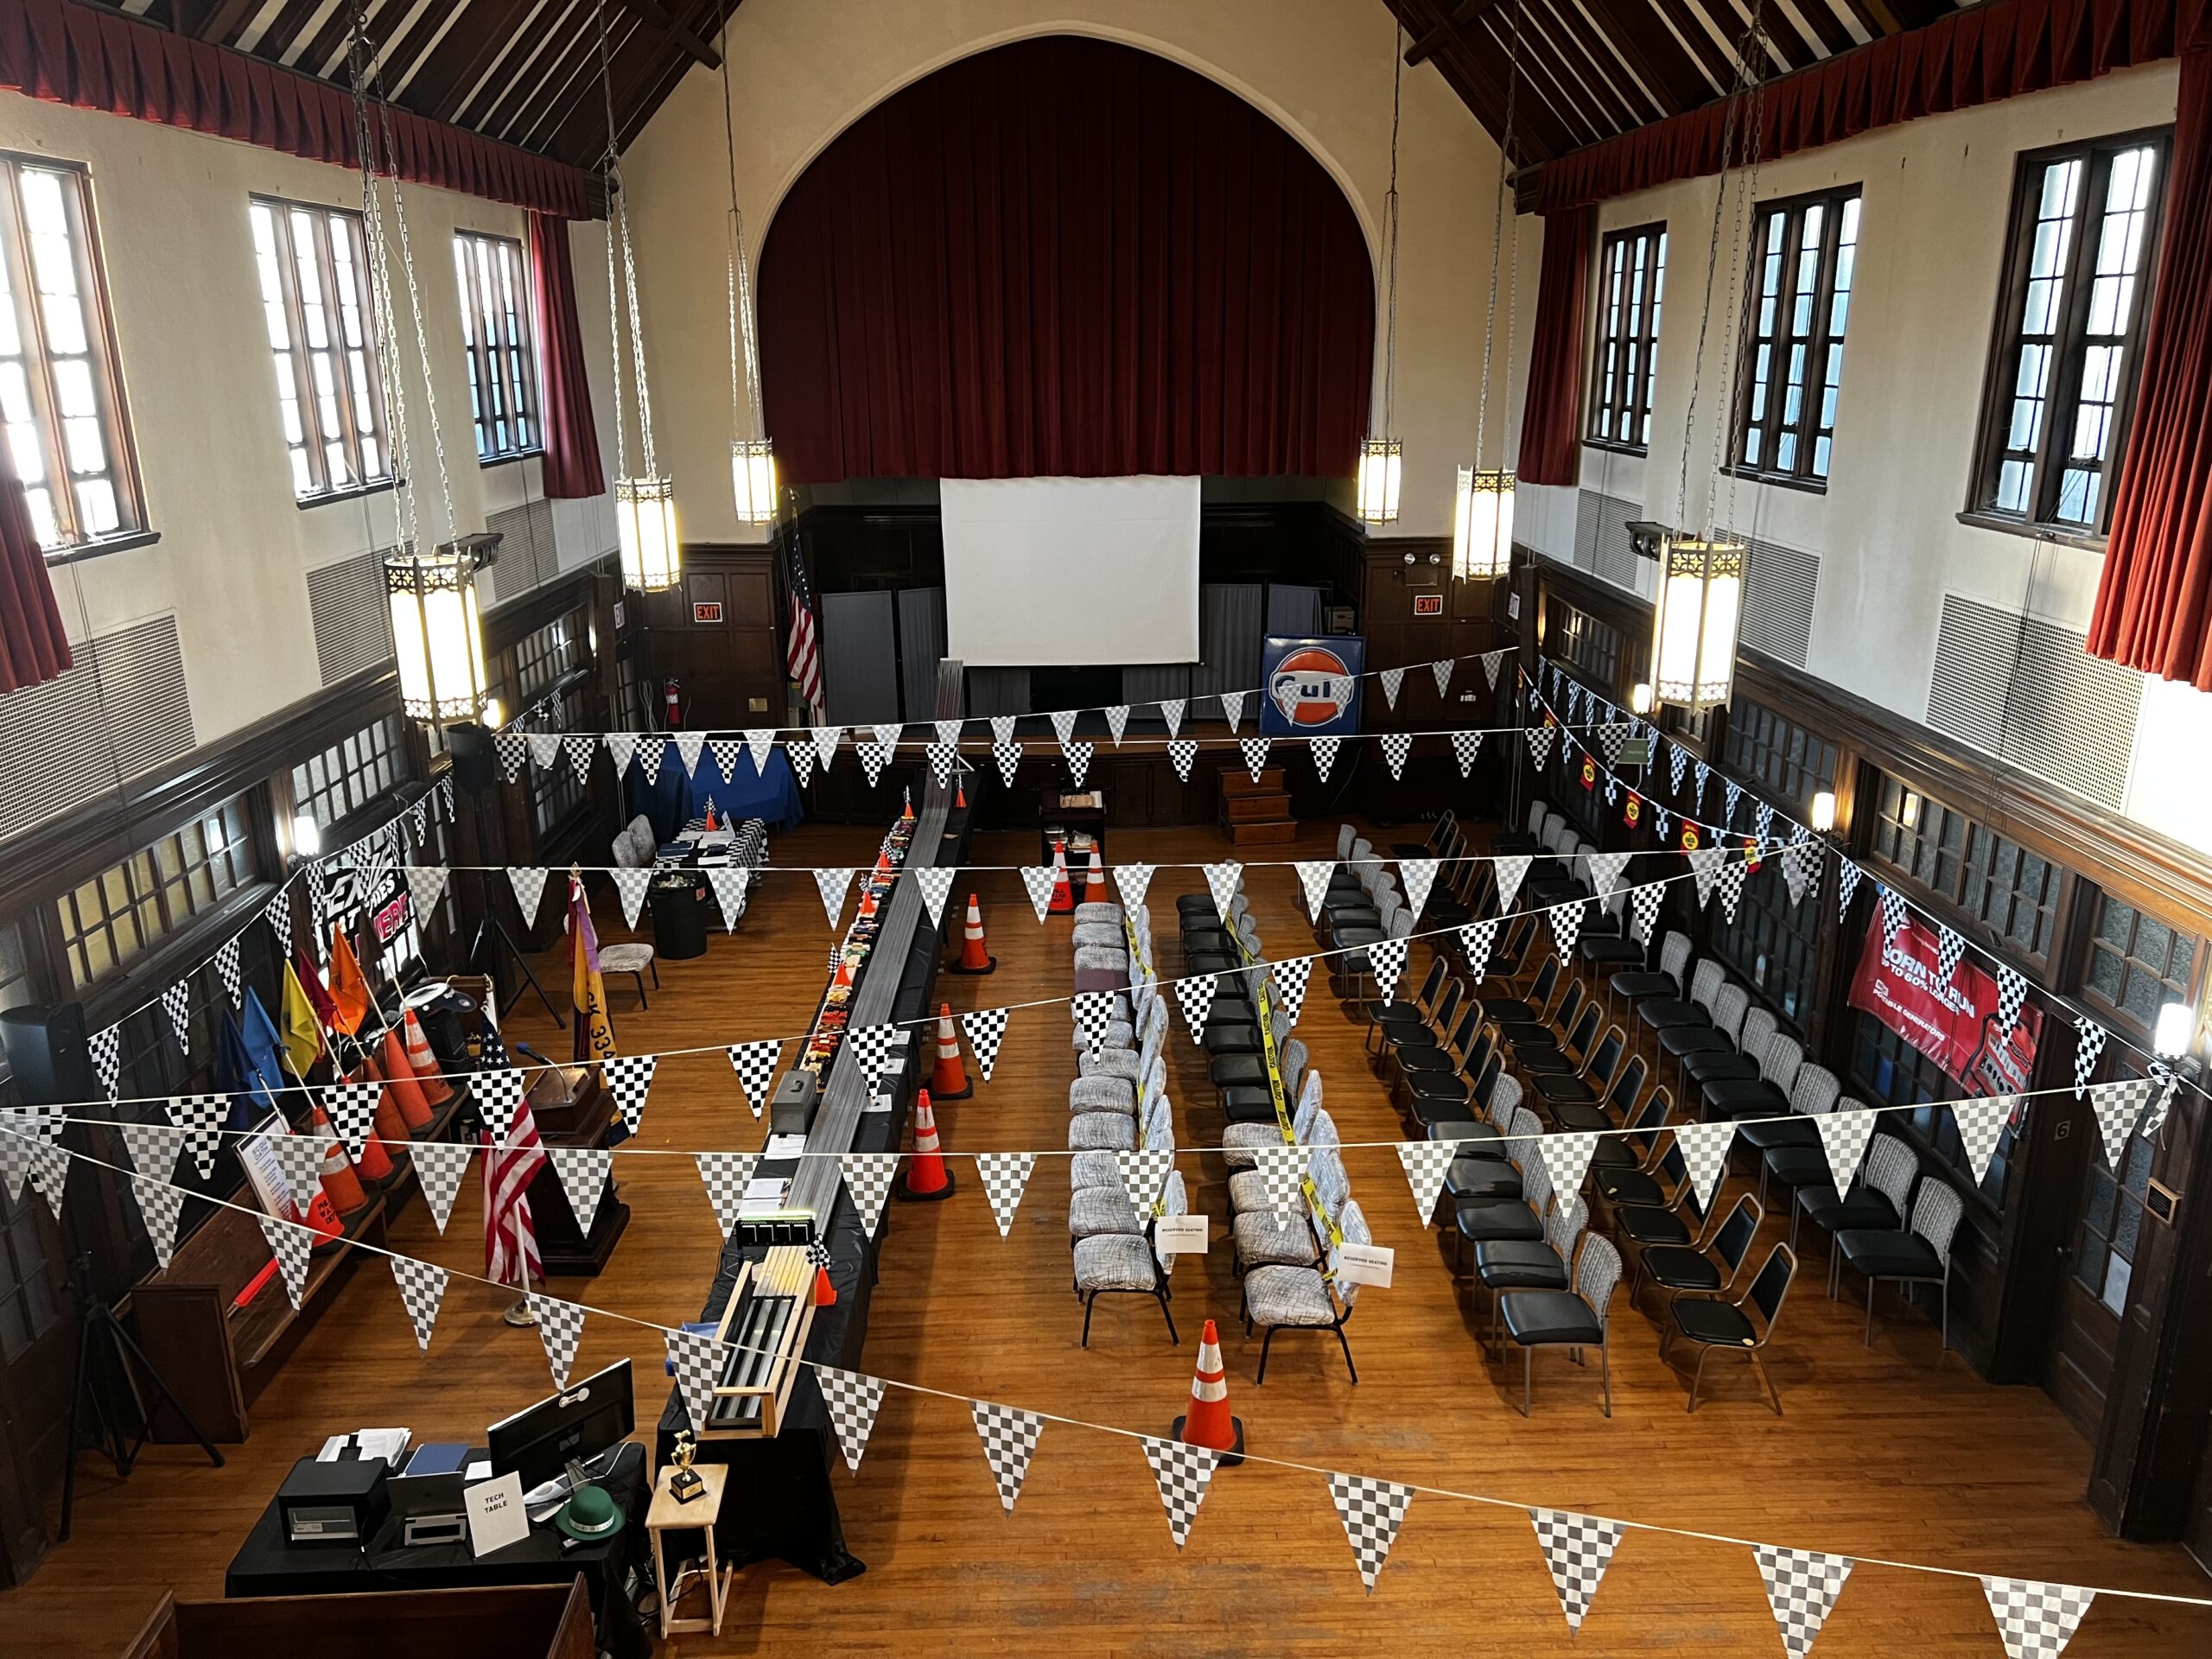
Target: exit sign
706	610
1429	604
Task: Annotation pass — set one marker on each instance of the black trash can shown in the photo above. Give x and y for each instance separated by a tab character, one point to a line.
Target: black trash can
679	898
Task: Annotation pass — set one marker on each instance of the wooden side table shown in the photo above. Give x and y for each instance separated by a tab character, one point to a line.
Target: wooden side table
668	1515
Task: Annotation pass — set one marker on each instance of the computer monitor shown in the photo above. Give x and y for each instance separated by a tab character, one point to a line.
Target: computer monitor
579	1422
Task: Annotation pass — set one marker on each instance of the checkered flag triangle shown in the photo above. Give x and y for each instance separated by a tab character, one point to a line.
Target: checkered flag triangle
1440	670
629	1077
159	1202
1291	979
1143	1172
1733	872
300	1156
2011	992
1093	1012
201	1117
581	750
560	1328
1372	1511
870	1045
1606	872
426	885
1732	792
1801	864
177	1002
2089	1048
106	1045
1232	708
1577	1548
1195	997
1391	678
1475	938
1567	924
1008	755
290	1245
279	917
1313	875
1704	777
529	887
1132	881
1512	870
353	1109
1980	1122
152	1148
760	742
1763	821
1893	912
620	747
1610	739
423	1289
630	885
1222	880
1182	751
1540	744
853	1401
498	1096
688	748
1949	947
50	1174
1386	958
1037	879
651	747
1705	1147
226	965
728	883
867	1178
1171	713
1419	875
441	1166
1492	661
1255	755
1004	1174
1009	1439
804	757
1282	1175
544	750
724	1174
1465	746
1117	720
18	1151
1063	725
1801	1585
1705	865
1643	908
1397	746
725	753
1324	751
1426	1164
873	756
1844	1136
1847	887
986	1029
2036	1620
833	885
2163	1084
2119	1106
1677	759
1566	1160
698	1359
1183	1474
513	749
583	1171
755	1064
826	739
1078	760
936	883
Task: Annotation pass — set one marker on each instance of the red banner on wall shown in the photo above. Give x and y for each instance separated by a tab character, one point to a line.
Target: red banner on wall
1954	1025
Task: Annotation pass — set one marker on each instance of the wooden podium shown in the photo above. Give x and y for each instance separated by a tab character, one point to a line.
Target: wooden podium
573	1109
1255	813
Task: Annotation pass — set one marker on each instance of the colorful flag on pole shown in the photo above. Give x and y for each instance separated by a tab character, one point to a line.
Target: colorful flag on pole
302	1028
349	991
588	992
803	659
509	1239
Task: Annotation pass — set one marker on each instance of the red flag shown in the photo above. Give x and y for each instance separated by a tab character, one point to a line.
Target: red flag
311	982
509	1239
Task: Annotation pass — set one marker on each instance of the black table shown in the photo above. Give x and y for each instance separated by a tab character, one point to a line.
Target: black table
266	1565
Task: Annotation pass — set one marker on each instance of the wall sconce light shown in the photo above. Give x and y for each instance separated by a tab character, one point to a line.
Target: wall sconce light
1639	698
2177	1025
307	835
1824	811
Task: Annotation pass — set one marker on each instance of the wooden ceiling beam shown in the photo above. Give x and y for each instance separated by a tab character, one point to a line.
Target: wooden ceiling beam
476	45
219	21
656	16
1625	104
1465	15
1643	40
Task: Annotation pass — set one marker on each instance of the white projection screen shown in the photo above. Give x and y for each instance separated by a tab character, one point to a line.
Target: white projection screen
1071	572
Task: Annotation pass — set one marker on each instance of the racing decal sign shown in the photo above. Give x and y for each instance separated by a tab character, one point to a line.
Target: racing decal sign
1311	685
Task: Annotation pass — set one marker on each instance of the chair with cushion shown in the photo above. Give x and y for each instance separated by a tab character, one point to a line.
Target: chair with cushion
1730	1005
1606	947
1631	987
1574	1319
1103	957
1547	1263
1741	1061
1764	1096
1678	1221
1280	1298
1102	1132
1441	1077
1258	1238
1919	1256
1512	1202
1586	1087
1439	838
1108	934
1533	1006
1658	1014
1093	1210
1615	1110
1634	1149
1351	978
1239	1139
1254	1102
1875	1203
1649	1181
1391	1021
1812	1091
1713	1322
1558	1050
1432	1099
635	959
1105	1093
1710	1266
1096	910
1128	1264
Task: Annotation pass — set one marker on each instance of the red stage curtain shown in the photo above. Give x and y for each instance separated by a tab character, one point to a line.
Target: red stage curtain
572	464
1065	256
1993	51
32	647
96	60
2154	599
1551	410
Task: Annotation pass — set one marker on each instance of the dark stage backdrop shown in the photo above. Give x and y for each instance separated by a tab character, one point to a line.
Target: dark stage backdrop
1065	256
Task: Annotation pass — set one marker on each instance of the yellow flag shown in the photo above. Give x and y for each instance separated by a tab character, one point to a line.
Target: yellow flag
588	993
302	1031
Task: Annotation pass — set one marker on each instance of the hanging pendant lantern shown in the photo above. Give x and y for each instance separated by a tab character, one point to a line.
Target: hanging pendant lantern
1381	462
1382	456
752	470
1693	623
1482	525
644	529
1482	509
436	632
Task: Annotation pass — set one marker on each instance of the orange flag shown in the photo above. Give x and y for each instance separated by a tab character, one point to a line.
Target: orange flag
348	988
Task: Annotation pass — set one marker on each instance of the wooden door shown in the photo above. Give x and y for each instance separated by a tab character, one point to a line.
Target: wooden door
2098	1266
37	1366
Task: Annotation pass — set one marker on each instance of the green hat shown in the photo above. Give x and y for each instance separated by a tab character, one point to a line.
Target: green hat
590	1515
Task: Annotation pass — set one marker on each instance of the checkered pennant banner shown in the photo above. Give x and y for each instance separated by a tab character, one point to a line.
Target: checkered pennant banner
1313	876
318	906
1801	858
1705	1147
867	1178
441	1166
1008	755
1844	1136
1372	1511
152	1148
1182	1473
1763	821
2011	992
18	1151
1117	720
1063	725
353	1109
1801	1585
936	883
1426	1164
852	1400
1144	1172
986	1029
629	884
1705	865
870	1045
50	1175
1659	821
583	1171
1606	872
1283	1174
1949	947
873	756
226	965
513	749
1733	873
1397	746
698	1359
1492	661
1677	758
300	1156
826	739
201	1117
1222	880
1465	746
1475	938
1578	1549
2119	1106
529	886
1894	913
1391	678
1009	1439
1182	751
1566	1160
290	1244
498	1096
1255	755
728	883
422	1290
1440	671
106	1045
725	1174
1847	887
1078	758
581	750
1132	881
426	885
1037	881
1171	713
833	885
804	757
1732	792
1610	739
560	1329
1704	777
760	741
177	1002
1324	751
1540	744
544	750
1291	980
1195	997
2089	1048
1567	924
2036	1620
755	1064
1419	877
650	749
1980	1122
1093	1012
943	757
1512	870
629	1077
620	747
688	748
1386	959
726	752
1232	708
1643	909
2164	1083
159	1202
1005	1176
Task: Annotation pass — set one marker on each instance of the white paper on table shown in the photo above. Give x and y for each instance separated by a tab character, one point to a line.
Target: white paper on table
784	1146
496	1516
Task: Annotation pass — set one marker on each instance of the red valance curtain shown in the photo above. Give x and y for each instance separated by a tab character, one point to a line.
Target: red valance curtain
1065	256
32	647
97	60
1551	410
572	464
2154	599
1993	51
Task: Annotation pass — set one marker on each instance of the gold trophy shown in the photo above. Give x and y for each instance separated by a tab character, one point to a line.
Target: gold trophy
684	1484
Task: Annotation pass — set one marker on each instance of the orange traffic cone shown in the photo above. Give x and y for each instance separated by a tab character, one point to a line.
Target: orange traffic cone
974	957
1208	1422
340	1184
867	902
825	1293
375	1163
907	816
1093	882
844	976
399	1083
436	1090
1063	895
948	1079
925	1175
391	1124
960	801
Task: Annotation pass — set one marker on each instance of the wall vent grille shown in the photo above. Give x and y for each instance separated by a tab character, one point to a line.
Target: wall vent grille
352	617
121	711
1601	543
1779	588
528	554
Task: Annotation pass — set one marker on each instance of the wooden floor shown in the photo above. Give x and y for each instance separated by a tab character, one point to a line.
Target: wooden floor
1894	1451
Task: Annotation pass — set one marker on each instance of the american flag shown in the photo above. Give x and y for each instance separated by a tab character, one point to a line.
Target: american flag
510	1238
804	662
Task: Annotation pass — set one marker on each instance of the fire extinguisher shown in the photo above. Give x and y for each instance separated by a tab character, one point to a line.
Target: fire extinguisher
675	707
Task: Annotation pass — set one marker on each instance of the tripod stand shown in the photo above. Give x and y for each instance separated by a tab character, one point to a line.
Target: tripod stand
493	923
105	1354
